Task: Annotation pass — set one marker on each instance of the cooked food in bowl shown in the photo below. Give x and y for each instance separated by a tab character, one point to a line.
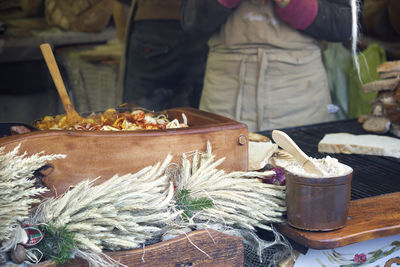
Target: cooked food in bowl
112	120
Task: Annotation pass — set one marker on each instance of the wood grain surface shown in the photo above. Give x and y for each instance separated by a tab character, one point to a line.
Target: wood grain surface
92	154
368	218
218	250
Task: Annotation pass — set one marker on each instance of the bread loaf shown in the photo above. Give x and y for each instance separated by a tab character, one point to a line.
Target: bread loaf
377	124
79	15
259	154
360	144
255	137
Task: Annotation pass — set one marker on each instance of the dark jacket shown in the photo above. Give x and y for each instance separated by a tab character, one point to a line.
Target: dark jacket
155	9
332	23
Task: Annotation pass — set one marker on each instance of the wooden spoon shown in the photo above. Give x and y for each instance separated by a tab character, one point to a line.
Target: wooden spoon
285	142
72	116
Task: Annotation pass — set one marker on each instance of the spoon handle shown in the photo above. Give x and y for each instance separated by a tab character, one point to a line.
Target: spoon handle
284	141
58	81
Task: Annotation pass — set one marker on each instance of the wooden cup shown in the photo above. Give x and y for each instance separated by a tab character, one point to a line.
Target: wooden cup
317	204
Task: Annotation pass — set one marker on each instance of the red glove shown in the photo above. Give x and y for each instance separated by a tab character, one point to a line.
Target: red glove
299	13
230	3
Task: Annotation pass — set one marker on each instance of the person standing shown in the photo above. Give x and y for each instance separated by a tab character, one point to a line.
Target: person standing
164	66
264	67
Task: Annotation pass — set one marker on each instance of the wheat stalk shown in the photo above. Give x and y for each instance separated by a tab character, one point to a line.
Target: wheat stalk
17	191
239	199
123	212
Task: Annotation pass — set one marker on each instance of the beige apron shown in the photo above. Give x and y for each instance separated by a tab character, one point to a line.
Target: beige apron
262	72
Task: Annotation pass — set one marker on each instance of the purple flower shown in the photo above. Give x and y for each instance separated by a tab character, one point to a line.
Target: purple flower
278	179
360	258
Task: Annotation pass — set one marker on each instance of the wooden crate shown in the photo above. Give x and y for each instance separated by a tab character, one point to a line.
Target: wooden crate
106	153
221	249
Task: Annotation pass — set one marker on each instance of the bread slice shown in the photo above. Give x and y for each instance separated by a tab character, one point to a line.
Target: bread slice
367	144
259	154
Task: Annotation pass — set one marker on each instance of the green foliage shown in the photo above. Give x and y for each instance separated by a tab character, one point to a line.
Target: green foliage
359	102
395	243
57	244
189	205
376	253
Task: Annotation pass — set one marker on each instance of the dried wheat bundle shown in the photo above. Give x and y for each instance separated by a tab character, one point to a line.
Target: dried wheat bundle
17	191
121	213
236	200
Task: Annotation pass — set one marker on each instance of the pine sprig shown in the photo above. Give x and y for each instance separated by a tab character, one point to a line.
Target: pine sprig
189	205
58	244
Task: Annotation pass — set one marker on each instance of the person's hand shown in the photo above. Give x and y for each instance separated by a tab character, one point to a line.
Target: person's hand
281	3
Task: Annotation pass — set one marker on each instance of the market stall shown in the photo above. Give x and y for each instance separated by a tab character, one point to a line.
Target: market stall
128	186
213	154
374	192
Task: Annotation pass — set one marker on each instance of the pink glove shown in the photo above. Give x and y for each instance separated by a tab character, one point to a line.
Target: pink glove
230	3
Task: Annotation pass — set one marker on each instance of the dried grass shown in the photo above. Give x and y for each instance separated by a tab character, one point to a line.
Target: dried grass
123	212
17	191
239	200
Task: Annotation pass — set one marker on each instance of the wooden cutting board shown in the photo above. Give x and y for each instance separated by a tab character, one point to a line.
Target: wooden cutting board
104	153
368	218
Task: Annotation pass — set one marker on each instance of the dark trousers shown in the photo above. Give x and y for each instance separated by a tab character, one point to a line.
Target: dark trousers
164	66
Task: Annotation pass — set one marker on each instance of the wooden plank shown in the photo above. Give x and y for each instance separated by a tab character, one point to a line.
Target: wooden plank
221	249
368	218
392	74
389	66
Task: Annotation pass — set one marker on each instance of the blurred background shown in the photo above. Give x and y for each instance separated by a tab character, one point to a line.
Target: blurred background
87	39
